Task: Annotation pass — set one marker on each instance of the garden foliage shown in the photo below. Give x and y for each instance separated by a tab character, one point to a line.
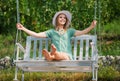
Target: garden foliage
37	14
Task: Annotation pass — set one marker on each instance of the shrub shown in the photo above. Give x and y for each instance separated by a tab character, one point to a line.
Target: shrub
108	73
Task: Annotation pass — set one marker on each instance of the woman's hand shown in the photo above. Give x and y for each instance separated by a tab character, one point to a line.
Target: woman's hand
19	26
93	24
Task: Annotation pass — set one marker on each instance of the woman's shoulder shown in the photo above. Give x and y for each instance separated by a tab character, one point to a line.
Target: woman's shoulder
70	29
51	30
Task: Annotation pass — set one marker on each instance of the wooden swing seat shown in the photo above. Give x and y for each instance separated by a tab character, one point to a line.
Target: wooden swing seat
85	56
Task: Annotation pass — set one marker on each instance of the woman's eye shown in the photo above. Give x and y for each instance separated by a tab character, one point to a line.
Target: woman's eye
64	17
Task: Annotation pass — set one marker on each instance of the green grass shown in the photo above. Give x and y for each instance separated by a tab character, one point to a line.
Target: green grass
111	29
107	73
109	38
6	45
37	76
111	47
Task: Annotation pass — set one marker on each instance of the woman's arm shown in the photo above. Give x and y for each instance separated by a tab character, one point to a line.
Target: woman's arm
32	33
78	32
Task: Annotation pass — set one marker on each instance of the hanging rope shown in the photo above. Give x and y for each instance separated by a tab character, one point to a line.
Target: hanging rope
99	19
16	40
18	18
17	7
95	7
18	21
99	25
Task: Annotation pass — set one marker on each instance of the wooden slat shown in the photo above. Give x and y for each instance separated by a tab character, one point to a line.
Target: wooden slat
28	46
57	69
54	63
87	50
34	49
55	66
46	44
40	49
81	50
75	50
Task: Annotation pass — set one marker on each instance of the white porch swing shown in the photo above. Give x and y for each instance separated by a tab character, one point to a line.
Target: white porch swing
84	52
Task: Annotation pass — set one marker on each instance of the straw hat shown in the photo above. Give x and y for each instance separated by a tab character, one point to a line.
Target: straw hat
68	15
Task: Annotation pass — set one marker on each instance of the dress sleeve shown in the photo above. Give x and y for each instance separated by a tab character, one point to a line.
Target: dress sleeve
71	32
48	33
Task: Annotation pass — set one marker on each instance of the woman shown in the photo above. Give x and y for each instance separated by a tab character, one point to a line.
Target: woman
60	36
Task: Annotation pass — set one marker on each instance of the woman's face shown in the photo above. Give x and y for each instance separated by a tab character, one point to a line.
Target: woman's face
61	19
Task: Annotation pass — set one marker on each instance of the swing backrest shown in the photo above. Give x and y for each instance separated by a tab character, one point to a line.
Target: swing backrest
82	49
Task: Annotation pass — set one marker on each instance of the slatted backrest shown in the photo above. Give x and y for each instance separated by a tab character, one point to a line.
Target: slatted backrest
34	47
82	49
80	44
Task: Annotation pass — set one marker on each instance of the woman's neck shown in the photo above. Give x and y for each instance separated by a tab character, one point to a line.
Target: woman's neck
60	27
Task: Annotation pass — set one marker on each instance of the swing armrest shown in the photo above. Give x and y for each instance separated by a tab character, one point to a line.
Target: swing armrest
21	47
95	52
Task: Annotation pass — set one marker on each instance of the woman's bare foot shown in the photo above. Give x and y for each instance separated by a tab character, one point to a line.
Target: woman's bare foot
53	49
58	55
47	55
54	55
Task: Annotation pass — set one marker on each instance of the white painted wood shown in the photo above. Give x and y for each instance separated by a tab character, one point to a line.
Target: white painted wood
84	55
21	47
34	49
75	50
81	50
40	48
87	50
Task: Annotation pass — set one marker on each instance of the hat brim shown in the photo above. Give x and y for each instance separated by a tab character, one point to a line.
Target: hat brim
67	13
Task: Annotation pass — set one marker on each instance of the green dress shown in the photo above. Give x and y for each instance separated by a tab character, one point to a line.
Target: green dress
62	41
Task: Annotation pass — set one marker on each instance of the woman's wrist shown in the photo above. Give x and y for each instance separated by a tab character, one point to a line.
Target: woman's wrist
23	28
